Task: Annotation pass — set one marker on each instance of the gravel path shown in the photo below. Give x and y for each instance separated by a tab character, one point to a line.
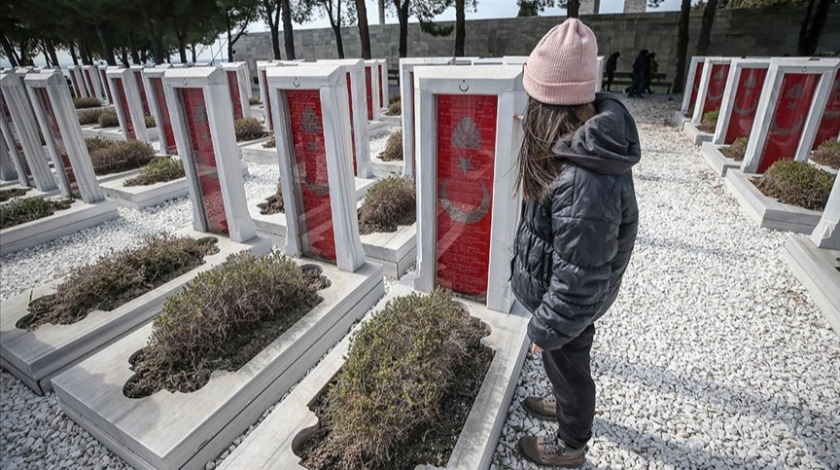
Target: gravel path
713	356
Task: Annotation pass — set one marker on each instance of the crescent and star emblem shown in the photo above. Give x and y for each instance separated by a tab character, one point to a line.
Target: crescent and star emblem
716	80
749	88
794	94
463	216
465	135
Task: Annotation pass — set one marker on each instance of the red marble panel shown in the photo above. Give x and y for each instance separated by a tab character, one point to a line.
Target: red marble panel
204	159
695	85
789	116
105	85
123	104
166	124
310	174
267	105
233	86
138	78
747	96
54	134
830	124
74	79
466	151
369	91
4	108
717	85
380	69
89	80
352	125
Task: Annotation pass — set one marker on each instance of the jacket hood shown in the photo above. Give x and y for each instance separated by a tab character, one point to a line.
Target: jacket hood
608	143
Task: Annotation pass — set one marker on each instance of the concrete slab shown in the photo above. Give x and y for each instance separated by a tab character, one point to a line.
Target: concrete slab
678	119
768	212
382	168
695	135
819	271
376	127
716	160
247	143
170	431
102	108
258	111
395	251
273	443
79	216
256	153
37	356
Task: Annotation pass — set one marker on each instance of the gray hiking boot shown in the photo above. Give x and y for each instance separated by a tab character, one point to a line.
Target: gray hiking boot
542	407
551	451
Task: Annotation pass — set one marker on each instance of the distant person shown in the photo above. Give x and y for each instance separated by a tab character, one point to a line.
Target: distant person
639	66
651	69
612	63
577	230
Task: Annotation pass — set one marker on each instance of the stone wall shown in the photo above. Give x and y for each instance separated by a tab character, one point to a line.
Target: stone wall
756	32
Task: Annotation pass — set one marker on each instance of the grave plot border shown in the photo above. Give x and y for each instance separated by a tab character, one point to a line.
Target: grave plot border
768	212
814	267
716	160
696	136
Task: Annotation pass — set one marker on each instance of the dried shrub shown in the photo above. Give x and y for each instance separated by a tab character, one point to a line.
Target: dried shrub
828	154
118	278
388	204
97	143
253	101
6	194
395	108
221	320
273	204
159	170
796	183
108	118
248	129
393	148
89	116
270	143
149	121
737	150
81	102
391	391
709	122
21	211
121	156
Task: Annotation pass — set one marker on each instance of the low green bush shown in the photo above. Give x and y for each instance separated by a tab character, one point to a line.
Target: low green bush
248	129
89	116
81	102
108	118
737	150
121	156
273	204
21	211
828	154
159	170
149	121
96	143
270	143
6	194
221	320
797	183
395	108
709	122
393	148
118	278
389	203
253	101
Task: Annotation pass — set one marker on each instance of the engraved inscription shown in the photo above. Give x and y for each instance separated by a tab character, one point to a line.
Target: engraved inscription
789	116
746	98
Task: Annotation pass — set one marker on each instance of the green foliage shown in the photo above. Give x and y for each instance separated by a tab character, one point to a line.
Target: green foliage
395	108
6	194
400	365
828	154
709	122
159	170
253	101
121	156
89	116
118	278
797	183
737	150
149	121
109	118
388	204
393	148
222	319
96	143
248	129
21	211
274	203
270	143
81	102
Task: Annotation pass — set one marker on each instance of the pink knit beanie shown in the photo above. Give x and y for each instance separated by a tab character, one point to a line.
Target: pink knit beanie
563	68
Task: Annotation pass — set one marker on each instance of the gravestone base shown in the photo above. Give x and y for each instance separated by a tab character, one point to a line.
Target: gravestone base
678	119
833	171
247	143
717	162
114	133
273	443
33	192
100	108
118	176
695	135
79	216
256	153
817	270
395	251
391	121
383	168
376	127
37	356
768	212
170	431
258	111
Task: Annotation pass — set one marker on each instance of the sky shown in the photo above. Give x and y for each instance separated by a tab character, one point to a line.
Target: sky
485	9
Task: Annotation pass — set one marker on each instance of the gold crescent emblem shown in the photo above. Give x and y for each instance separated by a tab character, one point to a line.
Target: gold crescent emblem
462	216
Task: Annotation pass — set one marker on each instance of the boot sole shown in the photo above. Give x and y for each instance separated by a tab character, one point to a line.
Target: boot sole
571	464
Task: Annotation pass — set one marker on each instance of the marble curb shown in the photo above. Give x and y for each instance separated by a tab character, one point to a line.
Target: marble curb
384	169
37	356
395	251
256	153
768	212
33	192
816	269
716	160
678	119
272	444
696	135
170	431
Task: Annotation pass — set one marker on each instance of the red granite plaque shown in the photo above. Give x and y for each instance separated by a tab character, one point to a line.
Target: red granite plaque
369	91
89	80
466	130
830	124
789	116
380	69
74	79
123	104
105	85
310	173
160	100
695	84
267	105
204	159
747	96
138	77
717	85
352	125
233	86
4	108
55	135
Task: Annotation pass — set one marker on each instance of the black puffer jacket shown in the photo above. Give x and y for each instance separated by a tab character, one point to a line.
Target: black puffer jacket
573	247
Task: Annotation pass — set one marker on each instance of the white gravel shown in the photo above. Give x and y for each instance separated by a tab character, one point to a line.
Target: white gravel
714	356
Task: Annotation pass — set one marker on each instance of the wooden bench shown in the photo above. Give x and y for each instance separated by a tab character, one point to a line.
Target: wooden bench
626	78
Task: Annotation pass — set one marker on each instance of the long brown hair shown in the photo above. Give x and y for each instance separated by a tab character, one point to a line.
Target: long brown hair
545	124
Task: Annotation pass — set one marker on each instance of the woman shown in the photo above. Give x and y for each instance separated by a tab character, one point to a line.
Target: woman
577	230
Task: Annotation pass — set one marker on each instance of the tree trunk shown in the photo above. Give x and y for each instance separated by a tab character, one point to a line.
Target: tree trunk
23	45
364	30
272	17
380	5
124	57
51	51
107	48
9	51
155	40
460	28
812	26
339	44
72	48
706	27
84	53
682	45
182	45
288	31
192	52
42	44
229	37
144	55
402	16
573	9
